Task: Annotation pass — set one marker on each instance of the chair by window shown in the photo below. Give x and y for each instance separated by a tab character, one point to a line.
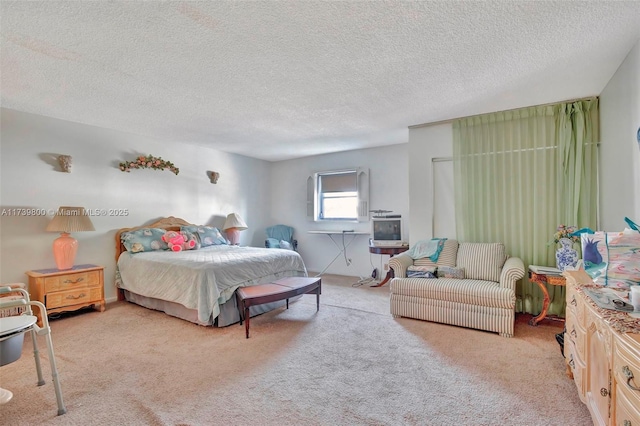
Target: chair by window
280	236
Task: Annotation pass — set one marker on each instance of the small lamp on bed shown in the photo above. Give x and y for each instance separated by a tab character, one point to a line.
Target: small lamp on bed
232	226
67	220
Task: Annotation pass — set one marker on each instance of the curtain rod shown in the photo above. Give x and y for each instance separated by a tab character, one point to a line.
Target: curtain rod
451	120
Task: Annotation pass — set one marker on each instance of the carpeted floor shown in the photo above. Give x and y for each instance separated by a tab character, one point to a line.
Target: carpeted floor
351	363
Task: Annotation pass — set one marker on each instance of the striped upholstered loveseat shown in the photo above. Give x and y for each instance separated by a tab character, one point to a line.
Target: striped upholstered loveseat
484	299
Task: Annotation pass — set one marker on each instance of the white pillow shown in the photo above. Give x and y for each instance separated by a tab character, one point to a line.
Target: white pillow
285	245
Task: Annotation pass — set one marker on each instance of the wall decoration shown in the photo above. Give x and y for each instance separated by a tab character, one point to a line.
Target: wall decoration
65	163
149	162
213	176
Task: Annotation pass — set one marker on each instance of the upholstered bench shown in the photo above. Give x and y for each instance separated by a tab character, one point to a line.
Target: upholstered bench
283	289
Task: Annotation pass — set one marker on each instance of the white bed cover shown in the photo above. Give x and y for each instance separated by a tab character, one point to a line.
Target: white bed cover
206	278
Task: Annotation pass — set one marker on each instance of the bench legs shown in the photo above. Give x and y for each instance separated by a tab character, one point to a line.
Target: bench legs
273	292
244	313
246	324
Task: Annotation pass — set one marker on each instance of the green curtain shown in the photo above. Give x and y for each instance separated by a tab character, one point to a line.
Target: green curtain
518	175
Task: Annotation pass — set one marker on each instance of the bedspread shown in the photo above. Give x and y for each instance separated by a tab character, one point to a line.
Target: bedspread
206	278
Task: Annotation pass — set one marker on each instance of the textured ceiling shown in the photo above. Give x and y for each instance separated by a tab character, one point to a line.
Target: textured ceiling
278	80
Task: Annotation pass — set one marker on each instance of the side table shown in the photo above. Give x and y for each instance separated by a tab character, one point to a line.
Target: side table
542	280
67	290
391	251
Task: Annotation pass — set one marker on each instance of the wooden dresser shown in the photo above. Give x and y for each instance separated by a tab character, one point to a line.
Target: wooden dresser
67	290
602	353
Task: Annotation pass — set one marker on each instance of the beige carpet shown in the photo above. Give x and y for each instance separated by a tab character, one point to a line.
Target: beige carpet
351	363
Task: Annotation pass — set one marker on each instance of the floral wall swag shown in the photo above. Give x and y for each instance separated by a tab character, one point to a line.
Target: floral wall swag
149	162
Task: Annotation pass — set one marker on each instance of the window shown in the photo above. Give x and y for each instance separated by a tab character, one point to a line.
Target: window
338	195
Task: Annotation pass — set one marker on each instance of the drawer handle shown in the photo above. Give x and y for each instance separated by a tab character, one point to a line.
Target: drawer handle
604	391
629	375
626	423
573	332
74	282
81	295
573	301
571	363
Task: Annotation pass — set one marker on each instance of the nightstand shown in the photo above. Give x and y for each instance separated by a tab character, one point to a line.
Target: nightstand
68	290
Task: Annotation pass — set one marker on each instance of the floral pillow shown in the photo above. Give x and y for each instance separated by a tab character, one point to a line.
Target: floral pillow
421	272
145	239
208	235
450	272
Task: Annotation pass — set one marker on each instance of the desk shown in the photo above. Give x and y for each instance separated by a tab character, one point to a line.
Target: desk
391	251
542	280
342	248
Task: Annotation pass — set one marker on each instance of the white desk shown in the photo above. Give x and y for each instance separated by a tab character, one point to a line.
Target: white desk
346	242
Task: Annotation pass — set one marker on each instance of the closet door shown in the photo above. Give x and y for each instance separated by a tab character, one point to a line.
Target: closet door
444	223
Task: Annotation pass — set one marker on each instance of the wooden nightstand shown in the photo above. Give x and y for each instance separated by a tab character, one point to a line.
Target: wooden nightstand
68	290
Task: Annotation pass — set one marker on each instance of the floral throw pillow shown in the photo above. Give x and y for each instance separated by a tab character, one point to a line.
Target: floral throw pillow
450	272
146	239
208	235
421	272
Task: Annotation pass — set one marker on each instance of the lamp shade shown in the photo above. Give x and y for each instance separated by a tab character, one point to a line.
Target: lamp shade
66	220
234	221
70	219
232	226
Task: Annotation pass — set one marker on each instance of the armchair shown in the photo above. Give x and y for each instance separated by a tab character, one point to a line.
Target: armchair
280	236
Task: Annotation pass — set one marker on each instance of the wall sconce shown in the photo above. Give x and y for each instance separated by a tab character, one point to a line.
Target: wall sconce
65	163
213	176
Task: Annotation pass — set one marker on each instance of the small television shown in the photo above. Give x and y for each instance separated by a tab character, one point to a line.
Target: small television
386	231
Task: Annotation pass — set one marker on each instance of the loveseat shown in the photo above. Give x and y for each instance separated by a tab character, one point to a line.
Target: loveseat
482	297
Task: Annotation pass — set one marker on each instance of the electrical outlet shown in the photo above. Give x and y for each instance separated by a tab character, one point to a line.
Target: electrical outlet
386	266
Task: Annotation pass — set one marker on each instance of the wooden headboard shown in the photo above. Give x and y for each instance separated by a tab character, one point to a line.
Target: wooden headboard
167	223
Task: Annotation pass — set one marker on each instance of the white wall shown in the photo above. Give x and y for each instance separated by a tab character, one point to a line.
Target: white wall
619	153
388	178
425	143
31	178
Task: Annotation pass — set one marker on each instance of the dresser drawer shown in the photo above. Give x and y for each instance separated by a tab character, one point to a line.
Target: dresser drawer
71	281
73	297
577	366
575	303
626	413
626	365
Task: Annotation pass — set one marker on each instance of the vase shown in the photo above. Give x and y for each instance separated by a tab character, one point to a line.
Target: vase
566	256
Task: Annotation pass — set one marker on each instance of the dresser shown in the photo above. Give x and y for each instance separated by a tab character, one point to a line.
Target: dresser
68	290
602	354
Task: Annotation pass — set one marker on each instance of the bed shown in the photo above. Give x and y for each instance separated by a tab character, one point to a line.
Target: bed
196	285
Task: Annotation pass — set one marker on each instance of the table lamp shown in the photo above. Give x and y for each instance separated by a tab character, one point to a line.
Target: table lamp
67	220
232	226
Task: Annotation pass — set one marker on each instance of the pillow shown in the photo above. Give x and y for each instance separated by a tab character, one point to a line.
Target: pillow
482	261
285	245
208	235
145	239
450	272
272	243
421	272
